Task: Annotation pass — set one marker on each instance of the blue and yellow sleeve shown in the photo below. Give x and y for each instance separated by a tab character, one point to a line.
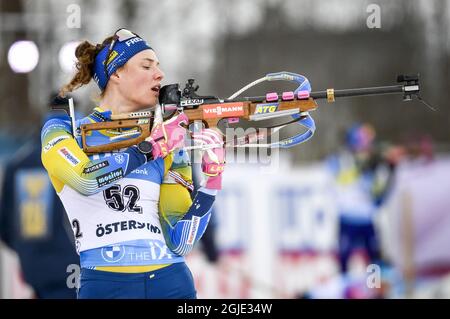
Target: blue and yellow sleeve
67	164
183	221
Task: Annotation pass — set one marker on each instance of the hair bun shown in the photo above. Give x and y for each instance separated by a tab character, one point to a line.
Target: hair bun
84	48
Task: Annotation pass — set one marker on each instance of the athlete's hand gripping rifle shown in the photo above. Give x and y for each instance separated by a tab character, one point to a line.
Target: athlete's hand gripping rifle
213	112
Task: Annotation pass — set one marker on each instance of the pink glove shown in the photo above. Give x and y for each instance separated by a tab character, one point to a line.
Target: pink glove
213	159
169	135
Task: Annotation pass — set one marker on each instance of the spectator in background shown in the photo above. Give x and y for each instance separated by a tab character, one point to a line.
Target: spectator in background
362	180
33	222
414	217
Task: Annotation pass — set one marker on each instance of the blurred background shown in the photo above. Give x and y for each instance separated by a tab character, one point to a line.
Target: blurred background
359	211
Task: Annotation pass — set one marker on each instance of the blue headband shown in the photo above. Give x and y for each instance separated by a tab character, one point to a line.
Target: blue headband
122	48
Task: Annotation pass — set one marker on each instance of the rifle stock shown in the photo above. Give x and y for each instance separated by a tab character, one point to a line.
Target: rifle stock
209	114
139	125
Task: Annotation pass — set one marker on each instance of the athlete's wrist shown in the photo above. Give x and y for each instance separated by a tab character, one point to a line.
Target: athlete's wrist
145	148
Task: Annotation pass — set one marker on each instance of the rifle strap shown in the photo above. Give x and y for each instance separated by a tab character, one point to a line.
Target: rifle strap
307	122
174	177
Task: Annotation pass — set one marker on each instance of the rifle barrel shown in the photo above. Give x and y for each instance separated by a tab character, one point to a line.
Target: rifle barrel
379	90
360	91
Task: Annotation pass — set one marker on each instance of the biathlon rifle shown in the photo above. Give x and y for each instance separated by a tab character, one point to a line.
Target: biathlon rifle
214	112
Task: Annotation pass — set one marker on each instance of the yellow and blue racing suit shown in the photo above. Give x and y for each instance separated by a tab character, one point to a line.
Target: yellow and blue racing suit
127	214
